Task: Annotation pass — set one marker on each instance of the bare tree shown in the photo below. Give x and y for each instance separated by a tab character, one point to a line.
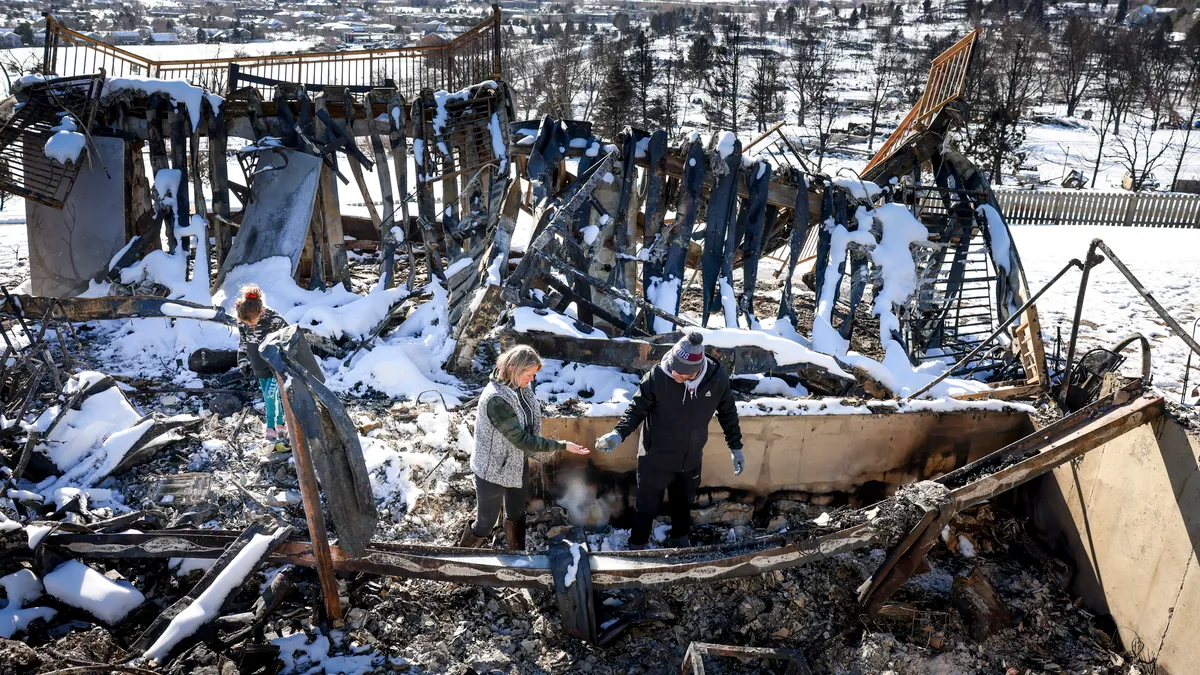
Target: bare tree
520	70
1137	152
824	105
807	47
723	84
557	78
1013	69
766	91
642	61
1191	93
1121	67
1075	60
883	75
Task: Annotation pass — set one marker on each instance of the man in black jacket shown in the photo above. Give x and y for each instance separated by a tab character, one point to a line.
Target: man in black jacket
676	400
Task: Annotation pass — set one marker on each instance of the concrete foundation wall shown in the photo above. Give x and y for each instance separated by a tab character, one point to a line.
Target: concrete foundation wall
859	457
1128	515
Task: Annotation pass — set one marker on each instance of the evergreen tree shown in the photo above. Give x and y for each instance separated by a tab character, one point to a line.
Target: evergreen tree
25	31
616	96
854	17
1122	10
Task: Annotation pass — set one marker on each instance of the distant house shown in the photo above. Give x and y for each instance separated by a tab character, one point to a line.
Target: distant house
9	39
164	38
431	40
125	37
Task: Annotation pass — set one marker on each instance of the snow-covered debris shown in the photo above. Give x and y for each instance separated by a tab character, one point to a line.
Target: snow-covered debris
859	189
390	472
208	604
88	443
183	566
300	655
333	313
892	259
725	143
21	588
529	320
35	534
181	92
82	587
67	143
573	568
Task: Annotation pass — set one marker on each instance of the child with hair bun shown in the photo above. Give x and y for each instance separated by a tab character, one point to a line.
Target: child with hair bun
255	322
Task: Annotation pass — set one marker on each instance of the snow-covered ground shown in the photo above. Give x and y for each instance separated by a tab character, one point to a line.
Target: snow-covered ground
1167	261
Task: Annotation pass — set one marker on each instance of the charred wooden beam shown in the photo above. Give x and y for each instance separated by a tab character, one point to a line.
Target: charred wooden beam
114	308
642	355
164	619
693	663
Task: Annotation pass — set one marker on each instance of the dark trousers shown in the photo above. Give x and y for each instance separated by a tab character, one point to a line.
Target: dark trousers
680	487
489	497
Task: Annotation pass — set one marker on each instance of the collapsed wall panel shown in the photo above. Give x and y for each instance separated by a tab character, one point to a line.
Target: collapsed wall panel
69	247
808	453
1128	515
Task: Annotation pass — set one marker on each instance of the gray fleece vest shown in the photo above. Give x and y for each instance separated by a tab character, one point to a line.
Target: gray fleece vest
496	460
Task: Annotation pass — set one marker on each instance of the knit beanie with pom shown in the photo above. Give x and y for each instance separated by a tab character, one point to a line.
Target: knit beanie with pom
688	354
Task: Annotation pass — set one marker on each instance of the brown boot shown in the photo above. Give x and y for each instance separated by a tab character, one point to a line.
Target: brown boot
469	539
514	531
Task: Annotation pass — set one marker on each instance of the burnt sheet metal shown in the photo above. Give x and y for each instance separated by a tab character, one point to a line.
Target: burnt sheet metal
332	439
695	166
653	235
824	233
116	308
757	180
569	563
722	202
800	222
619	276
544	158
640	355
147	445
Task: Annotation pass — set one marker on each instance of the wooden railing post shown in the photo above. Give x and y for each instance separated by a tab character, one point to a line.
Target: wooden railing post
497	37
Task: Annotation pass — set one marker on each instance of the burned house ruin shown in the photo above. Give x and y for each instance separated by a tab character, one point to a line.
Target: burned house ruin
918	322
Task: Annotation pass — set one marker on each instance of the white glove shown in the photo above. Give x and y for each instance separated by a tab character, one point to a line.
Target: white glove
608	442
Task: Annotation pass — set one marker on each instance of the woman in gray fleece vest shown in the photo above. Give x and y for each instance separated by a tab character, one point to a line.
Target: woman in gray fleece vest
507	430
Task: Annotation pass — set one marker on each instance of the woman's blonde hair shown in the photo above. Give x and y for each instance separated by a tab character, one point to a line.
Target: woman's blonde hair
515	361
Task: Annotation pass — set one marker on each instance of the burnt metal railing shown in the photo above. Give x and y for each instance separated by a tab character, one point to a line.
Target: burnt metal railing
25	169
471	57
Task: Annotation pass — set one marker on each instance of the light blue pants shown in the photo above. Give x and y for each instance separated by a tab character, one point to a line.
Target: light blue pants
274	411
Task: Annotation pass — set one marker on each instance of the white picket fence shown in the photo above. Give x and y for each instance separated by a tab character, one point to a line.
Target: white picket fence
1080	207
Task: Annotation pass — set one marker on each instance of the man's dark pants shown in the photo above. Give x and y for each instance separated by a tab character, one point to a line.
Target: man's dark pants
680	487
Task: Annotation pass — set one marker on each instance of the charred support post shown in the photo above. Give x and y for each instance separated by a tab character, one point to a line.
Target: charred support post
904	558
571	566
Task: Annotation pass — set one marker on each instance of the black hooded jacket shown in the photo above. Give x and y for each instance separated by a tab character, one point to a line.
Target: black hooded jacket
677	429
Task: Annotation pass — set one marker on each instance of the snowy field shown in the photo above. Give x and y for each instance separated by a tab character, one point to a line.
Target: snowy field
1167	261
